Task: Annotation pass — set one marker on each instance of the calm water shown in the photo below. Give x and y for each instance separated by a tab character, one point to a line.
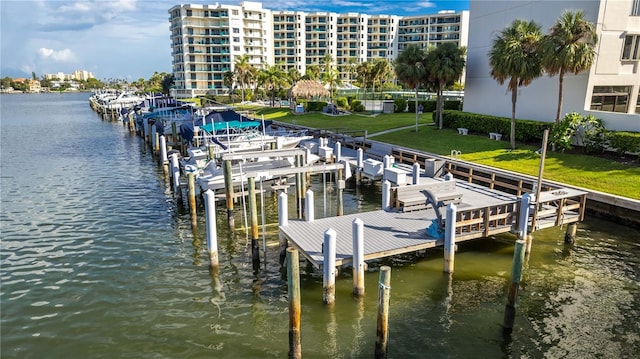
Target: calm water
97	260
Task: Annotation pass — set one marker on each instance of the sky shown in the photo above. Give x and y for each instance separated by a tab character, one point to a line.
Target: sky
129	39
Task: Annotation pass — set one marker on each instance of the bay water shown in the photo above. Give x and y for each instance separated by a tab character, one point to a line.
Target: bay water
98	260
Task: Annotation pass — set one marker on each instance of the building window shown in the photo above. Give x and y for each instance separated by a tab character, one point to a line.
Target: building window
610	98
631	48
635	8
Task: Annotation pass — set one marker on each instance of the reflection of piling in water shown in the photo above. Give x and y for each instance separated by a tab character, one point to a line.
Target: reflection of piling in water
382	324
516	275
293	282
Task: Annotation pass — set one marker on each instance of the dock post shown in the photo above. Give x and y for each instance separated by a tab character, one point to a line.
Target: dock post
228	191
416	173
293	285
175	169
212	235
450	238
516	275
174	133
283	220
341	185
152	139
211	151
156	142
308	207
386	195
570	235
163	156
523	221
191	180
386	163
358	257
253	210
359	165
329	267
299	190
382	324
338	152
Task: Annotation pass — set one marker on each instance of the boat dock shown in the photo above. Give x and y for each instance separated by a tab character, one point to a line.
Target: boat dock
482	212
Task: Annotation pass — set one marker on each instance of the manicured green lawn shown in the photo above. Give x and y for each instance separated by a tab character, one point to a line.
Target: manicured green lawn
579	170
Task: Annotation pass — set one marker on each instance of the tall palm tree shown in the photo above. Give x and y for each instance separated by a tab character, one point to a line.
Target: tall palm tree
228	79
294	75
445	64
312	72
410	70
364	71
332	78
242	69
381	72
515	58
569	48
273	79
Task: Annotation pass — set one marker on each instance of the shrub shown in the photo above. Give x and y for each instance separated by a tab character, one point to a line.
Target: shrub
452	105
399	105
429	105
625	142
315	105
574	128
357	106
342	102
526	130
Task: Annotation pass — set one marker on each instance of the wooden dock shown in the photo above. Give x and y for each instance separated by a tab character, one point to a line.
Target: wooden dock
483	212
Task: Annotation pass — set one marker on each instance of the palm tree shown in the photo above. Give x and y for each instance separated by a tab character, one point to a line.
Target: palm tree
515	57
272	78
445	64
364	71
312	72
242	70
381	72
294	75
410	70
332	78
228	79
569	48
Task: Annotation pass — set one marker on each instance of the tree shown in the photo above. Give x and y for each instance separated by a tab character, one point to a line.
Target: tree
364	72
242	70
294	75
228	79
444	64
515	58
272	78
568	48
381	72
167	83
332	78
410	70
312	72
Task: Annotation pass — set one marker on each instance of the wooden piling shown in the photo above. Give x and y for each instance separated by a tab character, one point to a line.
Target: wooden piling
228	191
358	257
253	210
175	169
212	235
523	221
416	173
299	189
283	220
382	326
450	238
163	156
338	152
570	235
329	267
386	195
514	285
293	284
191	180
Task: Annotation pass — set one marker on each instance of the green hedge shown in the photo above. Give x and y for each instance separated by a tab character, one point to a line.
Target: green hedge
526	131
315	105
625	142
399	105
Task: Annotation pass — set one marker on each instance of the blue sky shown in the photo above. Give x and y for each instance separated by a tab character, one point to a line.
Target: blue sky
129	39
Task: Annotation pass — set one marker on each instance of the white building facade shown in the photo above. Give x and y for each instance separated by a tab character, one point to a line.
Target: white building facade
206	40
610	90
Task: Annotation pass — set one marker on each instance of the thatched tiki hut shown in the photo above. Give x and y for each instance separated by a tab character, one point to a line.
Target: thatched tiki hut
307	89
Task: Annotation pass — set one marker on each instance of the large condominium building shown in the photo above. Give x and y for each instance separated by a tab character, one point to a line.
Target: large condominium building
610	90
206	40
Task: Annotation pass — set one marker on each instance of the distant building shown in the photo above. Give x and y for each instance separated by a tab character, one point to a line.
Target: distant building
34	86
80	75
206	40
610	90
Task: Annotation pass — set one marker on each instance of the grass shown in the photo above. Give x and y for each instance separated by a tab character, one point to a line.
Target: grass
575	169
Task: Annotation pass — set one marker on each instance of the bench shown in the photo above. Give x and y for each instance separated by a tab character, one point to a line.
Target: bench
495	136
462	131
411	198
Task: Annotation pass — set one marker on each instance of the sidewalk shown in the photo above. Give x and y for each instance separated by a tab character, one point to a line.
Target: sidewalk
397	129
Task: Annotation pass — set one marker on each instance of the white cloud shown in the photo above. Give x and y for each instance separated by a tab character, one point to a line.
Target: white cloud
64	55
